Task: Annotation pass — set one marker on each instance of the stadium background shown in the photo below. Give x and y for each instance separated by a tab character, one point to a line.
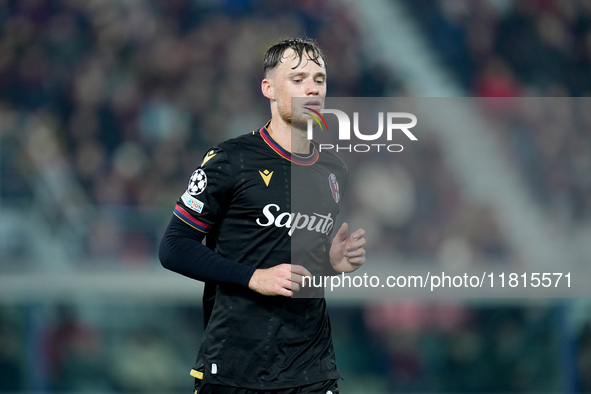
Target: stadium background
107	106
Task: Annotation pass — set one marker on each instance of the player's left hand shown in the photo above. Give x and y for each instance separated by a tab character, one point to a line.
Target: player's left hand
347	252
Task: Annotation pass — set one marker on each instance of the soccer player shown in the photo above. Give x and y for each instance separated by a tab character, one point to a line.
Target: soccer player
266	203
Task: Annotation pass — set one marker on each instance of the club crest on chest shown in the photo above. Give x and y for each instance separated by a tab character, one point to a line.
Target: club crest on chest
334	187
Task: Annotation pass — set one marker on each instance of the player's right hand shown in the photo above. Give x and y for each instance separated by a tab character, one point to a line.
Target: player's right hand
282	280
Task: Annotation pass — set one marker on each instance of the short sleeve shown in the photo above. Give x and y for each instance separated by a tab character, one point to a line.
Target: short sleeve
208	193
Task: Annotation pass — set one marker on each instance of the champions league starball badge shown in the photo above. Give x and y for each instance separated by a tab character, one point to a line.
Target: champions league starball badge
197	183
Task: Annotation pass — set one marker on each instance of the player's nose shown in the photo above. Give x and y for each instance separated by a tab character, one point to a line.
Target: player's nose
312	88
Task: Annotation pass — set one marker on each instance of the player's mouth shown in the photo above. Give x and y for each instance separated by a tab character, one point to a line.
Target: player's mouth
313	104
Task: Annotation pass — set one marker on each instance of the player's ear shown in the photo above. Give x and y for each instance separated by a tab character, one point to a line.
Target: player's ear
267	89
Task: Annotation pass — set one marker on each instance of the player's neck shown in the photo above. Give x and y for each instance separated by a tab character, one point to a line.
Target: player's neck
295	142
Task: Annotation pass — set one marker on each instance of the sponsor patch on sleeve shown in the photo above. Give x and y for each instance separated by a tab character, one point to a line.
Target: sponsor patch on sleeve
192	203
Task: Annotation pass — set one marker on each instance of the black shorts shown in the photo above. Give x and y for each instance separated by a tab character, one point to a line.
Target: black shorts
325	387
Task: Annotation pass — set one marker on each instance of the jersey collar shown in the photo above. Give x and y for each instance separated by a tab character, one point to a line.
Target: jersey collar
281	151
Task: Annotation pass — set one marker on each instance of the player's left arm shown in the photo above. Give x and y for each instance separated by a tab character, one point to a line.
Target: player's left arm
347	252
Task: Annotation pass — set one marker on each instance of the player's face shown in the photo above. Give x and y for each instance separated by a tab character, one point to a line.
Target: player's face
306	80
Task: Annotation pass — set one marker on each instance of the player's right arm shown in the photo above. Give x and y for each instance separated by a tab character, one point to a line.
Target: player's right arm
196	213
182	251
281	279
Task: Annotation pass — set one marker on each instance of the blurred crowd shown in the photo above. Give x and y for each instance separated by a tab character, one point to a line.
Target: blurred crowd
137	91
383	348
505	48
527	48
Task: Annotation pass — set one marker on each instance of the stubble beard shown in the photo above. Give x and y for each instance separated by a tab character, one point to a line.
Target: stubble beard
299	123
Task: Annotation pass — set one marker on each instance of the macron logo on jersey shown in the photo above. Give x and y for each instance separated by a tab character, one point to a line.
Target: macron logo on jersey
295	221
